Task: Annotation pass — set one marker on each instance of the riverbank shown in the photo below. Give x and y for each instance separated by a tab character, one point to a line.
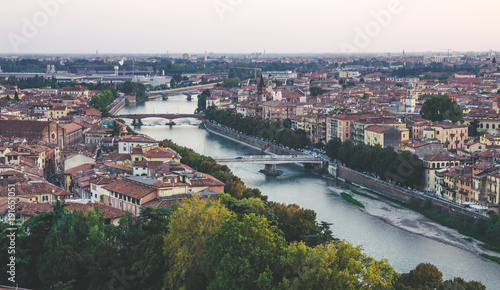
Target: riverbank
379	238
253	142
396	214
407	199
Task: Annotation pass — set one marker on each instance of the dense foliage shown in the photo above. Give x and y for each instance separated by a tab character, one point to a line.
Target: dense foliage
231	82
428	276
202	100
224	243
77	250
34	82
440	108
104	99
417	69
234	186
259	127
403	168
316	91
486	230
200	244
137	89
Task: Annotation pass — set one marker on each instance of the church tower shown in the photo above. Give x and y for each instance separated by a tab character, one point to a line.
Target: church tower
494	67
411	99
261	90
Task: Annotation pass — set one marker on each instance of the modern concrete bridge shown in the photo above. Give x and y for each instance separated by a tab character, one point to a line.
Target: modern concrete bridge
184	90
270	161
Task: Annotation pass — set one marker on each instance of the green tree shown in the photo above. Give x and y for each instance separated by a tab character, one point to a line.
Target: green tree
66	266
16	97
177	78
240	254
152	265
460	284
287	123
155	221
295	222
424	276
440	108
473	129
202	100
231	82
337	265
316	91
190	226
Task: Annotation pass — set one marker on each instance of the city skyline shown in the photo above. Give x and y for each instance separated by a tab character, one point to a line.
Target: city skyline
225	26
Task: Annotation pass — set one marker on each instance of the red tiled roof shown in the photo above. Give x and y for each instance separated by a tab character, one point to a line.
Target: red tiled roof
378	128
443	157
84	168
71	127
160	152
130	188
31	209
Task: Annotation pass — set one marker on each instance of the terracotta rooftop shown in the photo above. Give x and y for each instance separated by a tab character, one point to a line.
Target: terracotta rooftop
130	188
443	157
378	128
32	209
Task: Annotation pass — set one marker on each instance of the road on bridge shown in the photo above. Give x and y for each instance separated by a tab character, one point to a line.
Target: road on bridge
183	89
269	159
162	116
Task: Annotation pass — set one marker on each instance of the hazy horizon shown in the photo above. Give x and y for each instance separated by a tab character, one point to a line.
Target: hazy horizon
242	27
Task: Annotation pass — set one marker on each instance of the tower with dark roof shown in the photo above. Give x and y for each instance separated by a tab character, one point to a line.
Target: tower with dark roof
261	90
494	67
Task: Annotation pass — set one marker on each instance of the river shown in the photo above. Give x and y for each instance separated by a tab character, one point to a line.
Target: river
385	230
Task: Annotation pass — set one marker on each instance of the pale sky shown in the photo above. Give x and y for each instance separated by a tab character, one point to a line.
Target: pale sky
246	26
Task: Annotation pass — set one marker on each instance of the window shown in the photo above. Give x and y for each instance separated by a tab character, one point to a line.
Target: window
45	198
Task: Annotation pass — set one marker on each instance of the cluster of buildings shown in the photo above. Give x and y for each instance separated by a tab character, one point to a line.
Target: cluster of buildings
52	136
373	108
55	147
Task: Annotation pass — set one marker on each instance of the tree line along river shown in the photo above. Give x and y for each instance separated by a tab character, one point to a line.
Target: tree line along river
385	230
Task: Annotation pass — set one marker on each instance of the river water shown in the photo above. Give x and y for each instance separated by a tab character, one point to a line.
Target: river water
385	230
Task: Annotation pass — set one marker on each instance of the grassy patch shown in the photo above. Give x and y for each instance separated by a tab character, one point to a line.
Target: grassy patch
364	194
491	248
491	258
468	239
350	199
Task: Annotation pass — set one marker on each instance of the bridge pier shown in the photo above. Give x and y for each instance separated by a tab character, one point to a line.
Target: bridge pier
137	122
170	123
270	170
317	166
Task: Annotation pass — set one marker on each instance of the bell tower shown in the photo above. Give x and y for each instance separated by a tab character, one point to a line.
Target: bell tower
411	99
261	90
